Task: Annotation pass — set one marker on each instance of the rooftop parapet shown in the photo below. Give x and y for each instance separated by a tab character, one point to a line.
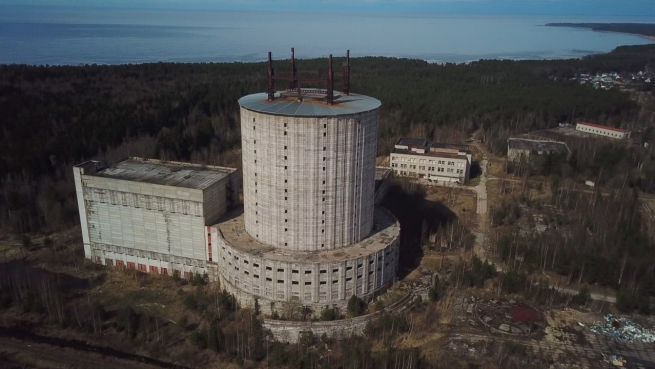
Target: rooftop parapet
167	173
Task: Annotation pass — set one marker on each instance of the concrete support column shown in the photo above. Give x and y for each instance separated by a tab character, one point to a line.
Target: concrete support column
316	283
342	281
365	276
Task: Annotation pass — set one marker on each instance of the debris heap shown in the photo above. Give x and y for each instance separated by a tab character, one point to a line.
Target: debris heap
623	329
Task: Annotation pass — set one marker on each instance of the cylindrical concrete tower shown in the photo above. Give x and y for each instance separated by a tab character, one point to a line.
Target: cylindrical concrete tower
310	231
309	170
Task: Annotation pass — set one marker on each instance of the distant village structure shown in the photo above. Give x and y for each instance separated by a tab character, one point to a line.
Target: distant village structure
309	230
610	80
522	148
435	162
606	131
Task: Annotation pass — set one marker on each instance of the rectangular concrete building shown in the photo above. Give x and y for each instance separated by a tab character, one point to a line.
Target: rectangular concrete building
522	148
599	130
435	162
152	215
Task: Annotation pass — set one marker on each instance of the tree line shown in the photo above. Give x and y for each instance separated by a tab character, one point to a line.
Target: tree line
54	117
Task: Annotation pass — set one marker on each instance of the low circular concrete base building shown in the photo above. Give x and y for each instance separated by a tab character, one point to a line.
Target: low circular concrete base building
251	270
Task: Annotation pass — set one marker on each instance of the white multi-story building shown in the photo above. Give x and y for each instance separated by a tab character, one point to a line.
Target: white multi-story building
440	163
597	129
150	215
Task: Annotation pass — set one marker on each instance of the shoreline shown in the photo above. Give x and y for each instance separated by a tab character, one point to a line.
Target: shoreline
603	27
462	61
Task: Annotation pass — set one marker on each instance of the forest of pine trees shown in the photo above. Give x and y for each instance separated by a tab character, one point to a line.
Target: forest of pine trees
54	117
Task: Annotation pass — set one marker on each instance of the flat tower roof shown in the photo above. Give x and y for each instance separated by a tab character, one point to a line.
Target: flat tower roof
165	173
309	107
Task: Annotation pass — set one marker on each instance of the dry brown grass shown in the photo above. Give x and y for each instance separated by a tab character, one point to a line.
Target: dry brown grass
496	166
148	293
460	201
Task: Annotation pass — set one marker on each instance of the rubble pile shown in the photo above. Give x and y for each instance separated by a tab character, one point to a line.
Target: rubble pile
615	360
508	317
623	329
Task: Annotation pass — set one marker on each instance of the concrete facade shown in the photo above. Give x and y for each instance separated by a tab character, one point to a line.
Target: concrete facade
440	163
151	215
251	270
308	182
520	149
605	131
290	331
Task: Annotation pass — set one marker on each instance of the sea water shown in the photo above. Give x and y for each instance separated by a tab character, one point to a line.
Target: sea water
70	36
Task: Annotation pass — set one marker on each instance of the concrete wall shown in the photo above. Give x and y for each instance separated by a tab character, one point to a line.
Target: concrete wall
162	219
517	155
161	229
315	281
308	183
290	331
78	172
146	261
216	199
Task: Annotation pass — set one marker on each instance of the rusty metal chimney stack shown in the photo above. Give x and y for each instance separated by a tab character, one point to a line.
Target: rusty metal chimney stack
346	74
271	78
294	71
330	83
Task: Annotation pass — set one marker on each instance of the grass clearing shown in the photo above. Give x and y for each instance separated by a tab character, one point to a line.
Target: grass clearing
460	201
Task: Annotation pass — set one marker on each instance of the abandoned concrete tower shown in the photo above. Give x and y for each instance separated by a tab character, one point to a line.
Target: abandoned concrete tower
309	230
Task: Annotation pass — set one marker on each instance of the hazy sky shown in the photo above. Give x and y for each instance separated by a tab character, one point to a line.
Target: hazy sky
482	7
